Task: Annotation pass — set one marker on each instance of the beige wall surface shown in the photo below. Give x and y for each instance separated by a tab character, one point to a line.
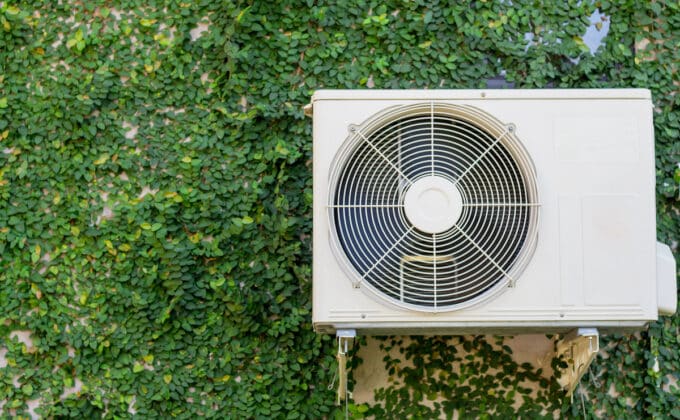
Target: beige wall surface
536	349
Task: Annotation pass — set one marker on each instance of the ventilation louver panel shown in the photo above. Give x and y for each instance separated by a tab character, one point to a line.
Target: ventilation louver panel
433	207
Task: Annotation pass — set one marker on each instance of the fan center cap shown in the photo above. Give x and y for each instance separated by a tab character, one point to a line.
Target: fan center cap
433	204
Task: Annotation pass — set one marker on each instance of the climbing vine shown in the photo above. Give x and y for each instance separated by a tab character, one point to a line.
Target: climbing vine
155	199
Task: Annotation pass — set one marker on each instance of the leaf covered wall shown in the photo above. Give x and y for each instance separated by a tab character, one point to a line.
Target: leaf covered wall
155	196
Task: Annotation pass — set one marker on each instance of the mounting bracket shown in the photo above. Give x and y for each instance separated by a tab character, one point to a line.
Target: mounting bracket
344	339
578	348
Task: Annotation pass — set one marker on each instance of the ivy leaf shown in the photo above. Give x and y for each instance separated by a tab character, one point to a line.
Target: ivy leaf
102	159
581	44
35	255
216	283
77	40
281	149
239	17
624	50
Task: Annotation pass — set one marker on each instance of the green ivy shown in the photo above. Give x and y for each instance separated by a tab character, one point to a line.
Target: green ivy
437	376
155	199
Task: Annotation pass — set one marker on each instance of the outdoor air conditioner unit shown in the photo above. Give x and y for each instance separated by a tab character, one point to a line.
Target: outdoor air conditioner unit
496	211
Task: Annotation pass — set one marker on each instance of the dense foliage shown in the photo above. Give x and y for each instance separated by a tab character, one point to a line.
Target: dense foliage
155	194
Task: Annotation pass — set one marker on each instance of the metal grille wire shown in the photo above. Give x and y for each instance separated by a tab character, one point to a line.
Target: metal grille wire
383	251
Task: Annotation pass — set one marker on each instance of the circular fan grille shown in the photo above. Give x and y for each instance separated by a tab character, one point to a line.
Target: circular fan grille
433	206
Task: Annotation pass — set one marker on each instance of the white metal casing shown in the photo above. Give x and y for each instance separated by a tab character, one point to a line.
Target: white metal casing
665	275
596	257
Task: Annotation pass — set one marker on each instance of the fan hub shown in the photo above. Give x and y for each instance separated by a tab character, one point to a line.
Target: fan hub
433	204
